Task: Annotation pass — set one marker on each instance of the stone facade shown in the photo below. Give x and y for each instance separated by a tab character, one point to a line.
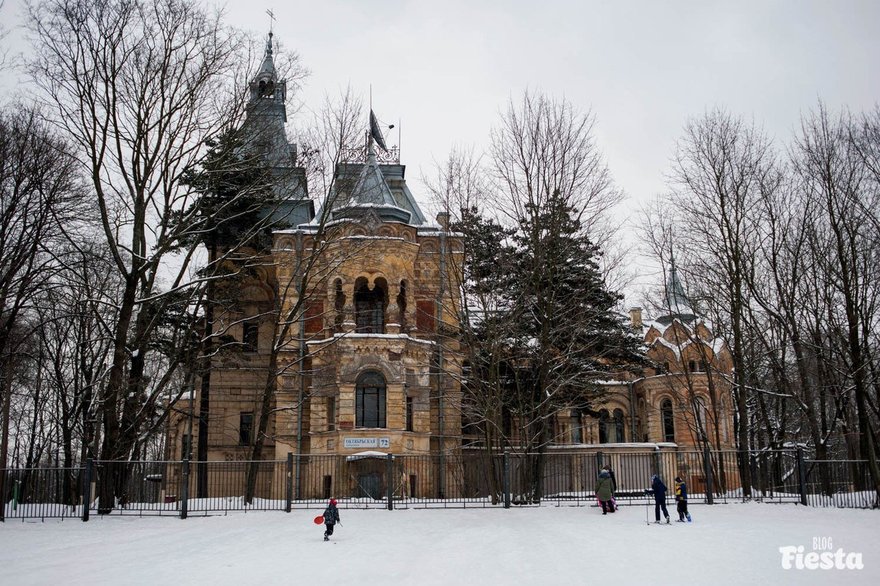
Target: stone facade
399	343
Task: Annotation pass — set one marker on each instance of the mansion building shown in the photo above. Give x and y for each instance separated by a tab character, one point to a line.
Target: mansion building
350	320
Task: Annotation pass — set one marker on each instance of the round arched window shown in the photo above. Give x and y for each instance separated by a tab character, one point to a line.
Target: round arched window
668	421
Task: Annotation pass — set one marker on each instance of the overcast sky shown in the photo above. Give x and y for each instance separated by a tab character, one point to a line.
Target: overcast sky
446	68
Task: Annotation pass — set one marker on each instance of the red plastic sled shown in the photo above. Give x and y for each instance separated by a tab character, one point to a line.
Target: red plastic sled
613	504
319	520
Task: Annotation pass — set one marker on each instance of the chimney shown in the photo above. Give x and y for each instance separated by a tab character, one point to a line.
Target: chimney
635	316
443	220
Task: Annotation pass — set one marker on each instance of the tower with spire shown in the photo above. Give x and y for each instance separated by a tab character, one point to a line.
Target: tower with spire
264	134
678	306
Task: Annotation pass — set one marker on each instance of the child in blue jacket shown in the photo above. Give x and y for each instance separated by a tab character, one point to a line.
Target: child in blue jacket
681	497
659	491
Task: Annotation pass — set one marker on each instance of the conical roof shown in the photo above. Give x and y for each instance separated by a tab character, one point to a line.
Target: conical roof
371	188
267	67
677	303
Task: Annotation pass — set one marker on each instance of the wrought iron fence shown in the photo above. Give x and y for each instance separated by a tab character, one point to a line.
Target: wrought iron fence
839	483
41	493
468	479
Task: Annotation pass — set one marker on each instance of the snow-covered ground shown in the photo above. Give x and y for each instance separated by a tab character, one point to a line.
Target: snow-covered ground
726	544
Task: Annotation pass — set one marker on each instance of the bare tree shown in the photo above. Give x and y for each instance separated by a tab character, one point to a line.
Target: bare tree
38	194
719	168
544	147
3	33
140	88
836	178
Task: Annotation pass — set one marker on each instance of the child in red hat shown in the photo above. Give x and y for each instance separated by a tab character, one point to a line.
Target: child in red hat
331	518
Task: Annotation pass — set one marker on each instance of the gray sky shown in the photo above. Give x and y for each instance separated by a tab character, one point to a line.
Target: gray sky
445	69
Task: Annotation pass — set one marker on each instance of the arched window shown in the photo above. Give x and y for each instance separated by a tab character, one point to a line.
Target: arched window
401	305
668	421
369	307
338	306
701	416
603	426
577	430
725	428
370	399
619	435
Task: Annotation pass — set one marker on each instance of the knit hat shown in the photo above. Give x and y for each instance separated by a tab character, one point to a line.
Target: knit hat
333	502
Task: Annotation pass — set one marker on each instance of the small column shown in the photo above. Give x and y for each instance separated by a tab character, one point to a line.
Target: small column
392	312
348	319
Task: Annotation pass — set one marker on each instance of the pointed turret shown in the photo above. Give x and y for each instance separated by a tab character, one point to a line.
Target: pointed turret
264	133
267	114
265	86
677	303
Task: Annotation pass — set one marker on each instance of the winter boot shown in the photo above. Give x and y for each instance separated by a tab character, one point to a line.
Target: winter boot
667	520
689	517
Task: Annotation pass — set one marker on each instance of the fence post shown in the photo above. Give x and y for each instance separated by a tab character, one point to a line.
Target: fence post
505	478
287	507
87	490
600	460
753	475
707	471
656	458
802	475
184	490
389	481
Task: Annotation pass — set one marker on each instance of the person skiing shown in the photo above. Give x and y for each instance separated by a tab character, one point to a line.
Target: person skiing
331	518
681	498
658	489
604	491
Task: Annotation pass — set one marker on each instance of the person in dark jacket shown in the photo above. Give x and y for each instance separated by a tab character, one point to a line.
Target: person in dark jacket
331	518
681	499
658	489
604	491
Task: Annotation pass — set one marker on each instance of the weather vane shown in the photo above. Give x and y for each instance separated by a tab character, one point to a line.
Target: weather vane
271	19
